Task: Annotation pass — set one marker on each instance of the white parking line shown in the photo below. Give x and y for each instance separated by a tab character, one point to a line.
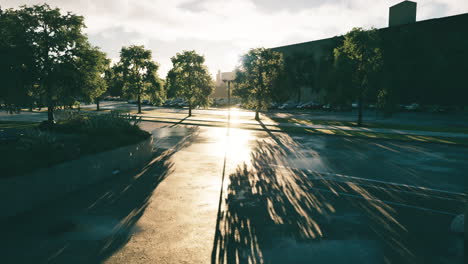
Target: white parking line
387	202
371	180
334	179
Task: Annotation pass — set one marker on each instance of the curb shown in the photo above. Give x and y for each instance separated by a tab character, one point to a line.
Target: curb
22	193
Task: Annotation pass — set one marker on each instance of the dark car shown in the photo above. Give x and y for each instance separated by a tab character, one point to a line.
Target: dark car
310	106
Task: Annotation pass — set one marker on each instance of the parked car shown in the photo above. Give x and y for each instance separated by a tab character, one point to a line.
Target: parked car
413	107
342	108
287	106
273	106
310	106
327	107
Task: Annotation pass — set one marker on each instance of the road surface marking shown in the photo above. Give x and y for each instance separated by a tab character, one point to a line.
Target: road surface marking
386	202
371	180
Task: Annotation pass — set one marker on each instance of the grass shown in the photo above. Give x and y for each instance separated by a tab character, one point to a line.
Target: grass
30	146
371	125
373	135
4	125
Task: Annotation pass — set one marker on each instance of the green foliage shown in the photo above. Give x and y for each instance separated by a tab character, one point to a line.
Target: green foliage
189	78
91	67
256	76
48	58
114	80
359	59
100	124
358	63
16	63
139	74
69	139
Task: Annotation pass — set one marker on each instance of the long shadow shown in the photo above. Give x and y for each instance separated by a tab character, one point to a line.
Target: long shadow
90	225
275	213
180	122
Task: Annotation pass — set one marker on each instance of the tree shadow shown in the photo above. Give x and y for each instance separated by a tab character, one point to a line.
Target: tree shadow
181	121
274	213
90	225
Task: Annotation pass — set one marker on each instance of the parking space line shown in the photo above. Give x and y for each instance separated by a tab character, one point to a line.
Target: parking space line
386	202
377	181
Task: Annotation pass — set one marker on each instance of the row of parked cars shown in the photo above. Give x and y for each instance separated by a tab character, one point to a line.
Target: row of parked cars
143	102
413	107
175	102
311	106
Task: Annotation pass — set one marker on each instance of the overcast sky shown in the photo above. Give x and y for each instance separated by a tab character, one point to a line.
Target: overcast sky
222	30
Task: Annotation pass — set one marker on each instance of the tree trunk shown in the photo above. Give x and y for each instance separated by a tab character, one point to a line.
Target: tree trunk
190	110
50	113
299	94
257	110
97	104
50	105
139	104
229	94
360	111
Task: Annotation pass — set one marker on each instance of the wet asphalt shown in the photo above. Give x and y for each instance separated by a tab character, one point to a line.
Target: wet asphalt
225	195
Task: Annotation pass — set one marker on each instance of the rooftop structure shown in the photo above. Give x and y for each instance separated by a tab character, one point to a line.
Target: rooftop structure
402	14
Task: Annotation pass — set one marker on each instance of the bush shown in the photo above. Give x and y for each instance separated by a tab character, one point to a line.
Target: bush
69	139
102	124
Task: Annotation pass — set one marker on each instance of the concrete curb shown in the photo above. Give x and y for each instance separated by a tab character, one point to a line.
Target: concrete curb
22	193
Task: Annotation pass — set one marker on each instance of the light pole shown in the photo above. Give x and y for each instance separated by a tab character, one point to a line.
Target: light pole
229	91
229	78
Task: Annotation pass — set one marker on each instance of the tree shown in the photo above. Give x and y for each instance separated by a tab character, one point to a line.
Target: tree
91	67
114	79
256	75
360	55
139	72
189	78
16	63
55	39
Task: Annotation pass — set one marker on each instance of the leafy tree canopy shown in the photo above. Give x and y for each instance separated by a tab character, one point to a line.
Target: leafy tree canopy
189	78
51	57
139	73
358	62
256	76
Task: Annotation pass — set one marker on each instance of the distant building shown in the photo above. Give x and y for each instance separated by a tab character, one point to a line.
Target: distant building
424	61
220	86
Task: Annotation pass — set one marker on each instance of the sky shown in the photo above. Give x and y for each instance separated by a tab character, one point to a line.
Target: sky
222	30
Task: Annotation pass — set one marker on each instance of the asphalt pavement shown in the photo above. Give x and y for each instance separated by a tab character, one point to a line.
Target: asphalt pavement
230	195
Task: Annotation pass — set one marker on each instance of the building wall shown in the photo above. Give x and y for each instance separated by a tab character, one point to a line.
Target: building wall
424	61
221	87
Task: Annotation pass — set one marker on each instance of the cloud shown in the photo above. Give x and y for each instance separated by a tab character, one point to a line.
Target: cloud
224	29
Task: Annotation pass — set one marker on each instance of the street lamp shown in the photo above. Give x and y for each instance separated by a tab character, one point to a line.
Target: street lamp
229	77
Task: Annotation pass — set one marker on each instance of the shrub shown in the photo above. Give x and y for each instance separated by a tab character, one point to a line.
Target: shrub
109	124
79	135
